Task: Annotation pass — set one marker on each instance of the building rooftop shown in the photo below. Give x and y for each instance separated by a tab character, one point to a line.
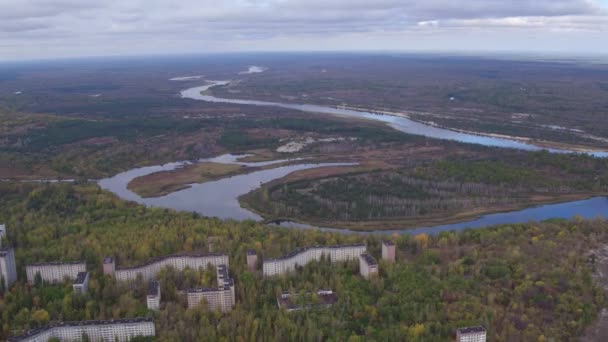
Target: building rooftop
5	251
34	332
251	252
108	260
80	278
304	249
154	288
56	263
470	330
369	259
326	299
203	289
155	260
388	243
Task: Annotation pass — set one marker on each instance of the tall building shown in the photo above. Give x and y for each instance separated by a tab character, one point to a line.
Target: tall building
471	334
8	267
109	266
305	255
2	233
97	331
367	265
54	272
223	298
150	270
252	260
81	284
388	251
153	298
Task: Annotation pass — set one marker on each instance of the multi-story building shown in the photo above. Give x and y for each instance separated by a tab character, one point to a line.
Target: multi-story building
292	302
54	272
305	255
252	260
150	270
81	284
109	266
223	298
153	298
2	233
8	267
388	251
471	334
112	330
367	265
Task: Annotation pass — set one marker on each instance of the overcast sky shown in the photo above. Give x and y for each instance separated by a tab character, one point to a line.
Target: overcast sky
34	29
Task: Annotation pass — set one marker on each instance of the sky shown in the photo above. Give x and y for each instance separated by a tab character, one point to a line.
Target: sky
41	29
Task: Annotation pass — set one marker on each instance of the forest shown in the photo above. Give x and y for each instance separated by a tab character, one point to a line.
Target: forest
522	282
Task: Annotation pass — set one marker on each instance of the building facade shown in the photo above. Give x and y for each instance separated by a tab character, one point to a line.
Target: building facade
2	233
112	330
81	284
8	267
388	251
54	272
303	256
223	298
109	266
153	298
150	270
252	260
368	266
471	334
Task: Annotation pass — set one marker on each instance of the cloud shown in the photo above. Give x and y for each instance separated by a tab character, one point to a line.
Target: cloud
76	27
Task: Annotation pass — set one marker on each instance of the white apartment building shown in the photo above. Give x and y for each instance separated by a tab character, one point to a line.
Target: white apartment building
112	330
153	298
8	267
150	270
81	284
305	255
2	233
223	298
368	266
471	334
54	272
388	251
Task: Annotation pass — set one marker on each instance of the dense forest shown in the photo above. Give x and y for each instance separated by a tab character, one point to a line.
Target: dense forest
522	282
432	189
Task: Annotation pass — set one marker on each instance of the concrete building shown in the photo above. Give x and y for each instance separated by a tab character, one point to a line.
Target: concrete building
81	284
54	272
291	302
252	260
109	266
223	298
8	267
367	265
2	233
388	251
112	330
471	334
305	255
153	298
150	270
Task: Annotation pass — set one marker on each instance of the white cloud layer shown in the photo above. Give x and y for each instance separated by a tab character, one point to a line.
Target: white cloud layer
57	28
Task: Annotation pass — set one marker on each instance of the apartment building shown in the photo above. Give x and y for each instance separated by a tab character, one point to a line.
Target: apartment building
252	260
81	284
150	270
111	330
8	267
368	266
54	272
223	298
471	334
153	298
388	251
305	255
109	266
292	302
